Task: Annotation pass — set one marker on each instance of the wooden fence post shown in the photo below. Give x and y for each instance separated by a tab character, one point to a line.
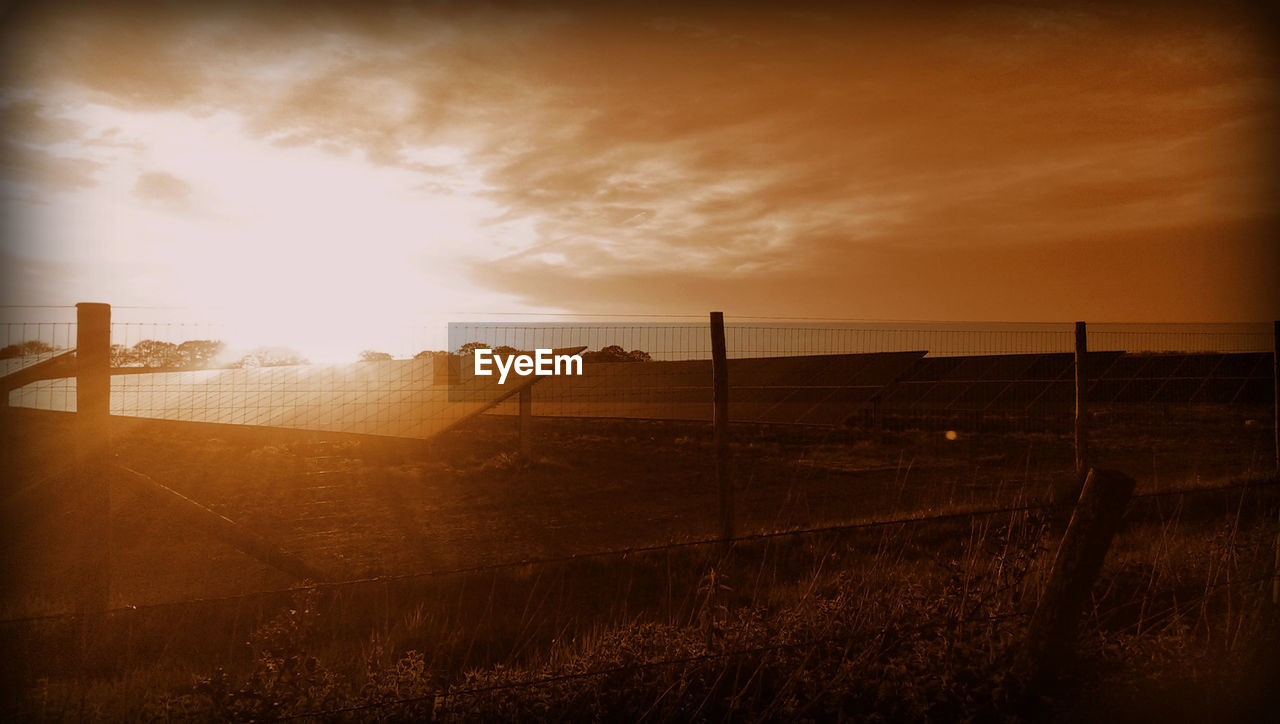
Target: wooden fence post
720	382
92	453
1275	409
526	424
1095	521
1082	403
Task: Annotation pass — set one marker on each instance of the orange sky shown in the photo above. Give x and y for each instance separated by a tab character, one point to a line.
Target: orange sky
1011	161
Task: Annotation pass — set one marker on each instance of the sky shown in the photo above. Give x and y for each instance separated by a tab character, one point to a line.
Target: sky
368	166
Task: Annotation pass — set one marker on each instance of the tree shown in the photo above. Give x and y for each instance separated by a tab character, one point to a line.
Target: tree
502	350
199	353
430	354
154	353
614	353
22	349
191	354
272	357
369	355
121	356
639	355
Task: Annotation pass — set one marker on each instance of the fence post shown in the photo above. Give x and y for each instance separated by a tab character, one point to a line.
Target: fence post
1275	409
93	451
526	424
1094	522
1082	403
720	382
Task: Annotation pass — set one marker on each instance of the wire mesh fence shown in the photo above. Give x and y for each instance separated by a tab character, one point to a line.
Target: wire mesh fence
960	380
832	420
377	491
800	373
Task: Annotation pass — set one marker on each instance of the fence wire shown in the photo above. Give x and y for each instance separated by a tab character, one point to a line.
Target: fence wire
834	420
618	554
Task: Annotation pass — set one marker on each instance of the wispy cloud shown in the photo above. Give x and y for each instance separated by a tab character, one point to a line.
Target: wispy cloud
614	151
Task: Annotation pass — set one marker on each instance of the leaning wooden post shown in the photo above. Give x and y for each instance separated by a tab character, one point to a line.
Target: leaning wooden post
93	451
1094	523
526	424
720	382
1082	403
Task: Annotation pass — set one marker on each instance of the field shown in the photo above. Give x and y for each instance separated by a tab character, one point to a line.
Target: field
644	362
472	570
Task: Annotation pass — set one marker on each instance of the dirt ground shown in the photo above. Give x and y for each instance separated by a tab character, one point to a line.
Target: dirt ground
360	508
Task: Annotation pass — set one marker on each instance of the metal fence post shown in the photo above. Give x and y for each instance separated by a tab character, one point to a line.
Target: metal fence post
93	450
720	382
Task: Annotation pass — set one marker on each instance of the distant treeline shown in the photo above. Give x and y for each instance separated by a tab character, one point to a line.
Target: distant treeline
195	354
210	353
612	353
24	349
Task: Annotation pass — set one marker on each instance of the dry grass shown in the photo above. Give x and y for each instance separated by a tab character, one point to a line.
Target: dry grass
908	622
915	622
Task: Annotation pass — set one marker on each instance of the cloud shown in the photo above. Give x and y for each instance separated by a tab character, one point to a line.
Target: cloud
30	131
31	122
22	165
163	187
1164	273
731	149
